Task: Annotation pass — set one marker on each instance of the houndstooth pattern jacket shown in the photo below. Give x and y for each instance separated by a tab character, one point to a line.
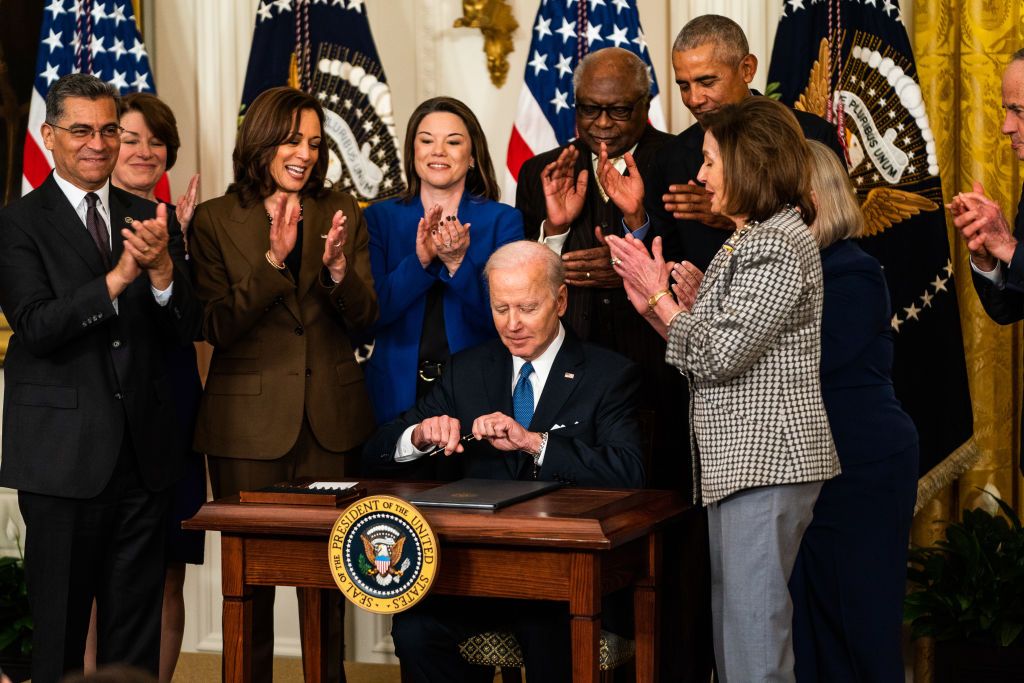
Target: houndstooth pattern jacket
751	348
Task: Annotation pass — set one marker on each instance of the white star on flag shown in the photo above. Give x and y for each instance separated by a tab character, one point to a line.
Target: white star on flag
119	80
50	74
567	31
538	62
593	34
54	41
118	49
559	101
543	27
564	65
618	36
57	7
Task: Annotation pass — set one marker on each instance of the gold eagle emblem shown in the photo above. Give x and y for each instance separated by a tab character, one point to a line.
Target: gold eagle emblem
884	207
815	97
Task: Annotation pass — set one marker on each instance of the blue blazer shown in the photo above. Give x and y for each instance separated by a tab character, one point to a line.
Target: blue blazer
868	423
402	285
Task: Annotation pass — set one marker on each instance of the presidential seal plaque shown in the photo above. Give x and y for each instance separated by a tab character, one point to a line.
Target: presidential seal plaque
383	554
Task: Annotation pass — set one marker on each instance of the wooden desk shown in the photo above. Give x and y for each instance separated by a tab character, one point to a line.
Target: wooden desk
573	545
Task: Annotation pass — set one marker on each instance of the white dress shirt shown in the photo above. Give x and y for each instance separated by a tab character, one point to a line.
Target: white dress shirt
995	276
405	451
76	196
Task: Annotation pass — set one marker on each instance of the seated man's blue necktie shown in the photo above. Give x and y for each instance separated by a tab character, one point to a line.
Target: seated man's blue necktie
522	397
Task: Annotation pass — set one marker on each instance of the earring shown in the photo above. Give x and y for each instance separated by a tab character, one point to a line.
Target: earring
472	164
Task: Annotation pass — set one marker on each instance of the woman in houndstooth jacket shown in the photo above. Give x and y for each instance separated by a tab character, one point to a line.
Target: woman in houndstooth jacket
748	337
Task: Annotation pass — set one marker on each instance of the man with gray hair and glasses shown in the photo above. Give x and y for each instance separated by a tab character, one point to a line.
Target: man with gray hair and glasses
94	283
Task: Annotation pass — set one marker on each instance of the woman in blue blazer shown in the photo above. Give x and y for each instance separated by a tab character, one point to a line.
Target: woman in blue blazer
428	249
849	578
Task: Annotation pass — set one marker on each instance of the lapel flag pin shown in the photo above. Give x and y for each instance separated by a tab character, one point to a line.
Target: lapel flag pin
129	220
570	375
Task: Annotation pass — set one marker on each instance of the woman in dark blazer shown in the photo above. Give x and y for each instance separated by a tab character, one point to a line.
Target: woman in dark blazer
427	260
283	270
850	573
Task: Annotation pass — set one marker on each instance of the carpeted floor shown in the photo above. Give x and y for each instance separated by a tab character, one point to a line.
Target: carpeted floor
203	668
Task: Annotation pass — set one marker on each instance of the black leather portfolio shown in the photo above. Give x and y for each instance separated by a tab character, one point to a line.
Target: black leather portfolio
482	494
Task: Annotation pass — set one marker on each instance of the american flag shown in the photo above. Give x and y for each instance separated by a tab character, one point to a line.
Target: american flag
91	36
564	32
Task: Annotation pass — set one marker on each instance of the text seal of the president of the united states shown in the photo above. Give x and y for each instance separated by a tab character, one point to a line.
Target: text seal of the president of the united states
383	554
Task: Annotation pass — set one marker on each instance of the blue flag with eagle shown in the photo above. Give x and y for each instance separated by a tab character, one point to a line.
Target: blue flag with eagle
325	48
851	63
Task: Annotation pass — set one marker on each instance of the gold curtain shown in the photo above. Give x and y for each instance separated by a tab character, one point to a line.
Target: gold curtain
961	47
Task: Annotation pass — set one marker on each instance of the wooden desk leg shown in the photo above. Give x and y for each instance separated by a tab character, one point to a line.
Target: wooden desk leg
313	634
646	614
237	614
585	613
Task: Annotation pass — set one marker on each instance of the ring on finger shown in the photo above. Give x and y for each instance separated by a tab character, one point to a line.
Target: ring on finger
588	275
337	244
447	245
616	261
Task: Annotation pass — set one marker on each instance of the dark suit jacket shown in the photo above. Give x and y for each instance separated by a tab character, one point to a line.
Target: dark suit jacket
590	391
603	316
281	349
606	317
1005	304
677	163
80	377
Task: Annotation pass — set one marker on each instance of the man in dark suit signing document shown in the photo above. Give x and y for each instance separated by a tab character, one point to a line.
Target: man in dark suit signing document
538	404
93	282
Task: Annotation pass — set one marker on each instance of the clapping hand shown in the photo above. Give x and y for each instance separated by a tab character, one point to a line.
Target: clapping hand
984	227
427	228
591	267
186	205
451	240
691	202
626	191
334	247
284	229
564	193
146	242
686	279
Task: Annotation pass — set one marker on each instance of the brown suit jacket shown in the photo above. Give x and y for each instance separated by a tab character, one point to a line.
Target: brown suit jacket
281	348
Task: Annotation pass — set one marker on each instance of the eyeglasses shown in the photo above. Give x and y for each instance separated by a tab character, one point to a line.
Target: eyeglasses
85	132
616	112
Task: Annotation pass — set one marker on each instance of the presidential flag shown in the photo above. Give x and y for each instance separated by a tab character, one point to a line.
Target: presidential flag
325	48
851	63
83	36
563	34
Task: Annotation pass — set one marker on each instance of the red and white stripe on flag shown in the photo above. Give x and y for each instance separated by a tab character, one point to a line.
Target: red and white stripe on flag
83	36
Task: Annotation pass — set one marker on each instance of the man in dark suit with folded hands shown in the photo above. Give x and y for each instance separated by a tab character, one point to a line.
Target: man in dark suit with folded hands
93	282
539	404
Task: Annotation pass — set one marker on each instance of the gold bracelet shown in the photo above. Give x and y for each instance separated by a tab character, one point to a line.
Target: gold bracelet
271	261
655	298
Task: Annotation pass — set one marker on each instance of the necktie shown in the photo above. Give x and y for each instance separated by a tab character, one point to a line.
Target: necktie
97	228
522	397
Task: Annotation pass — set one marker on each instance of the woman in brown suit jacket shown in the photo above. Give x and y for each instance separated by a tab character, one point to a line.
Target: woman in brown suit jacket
283	269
